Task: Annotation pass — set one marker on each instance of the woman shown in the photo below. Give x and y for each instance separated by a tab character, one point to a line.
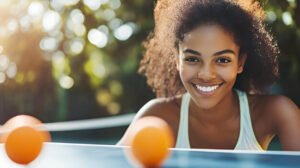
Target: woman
210	63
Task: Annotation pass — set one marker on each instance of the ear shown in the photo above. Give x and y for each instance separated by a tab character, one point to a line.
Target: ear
242	61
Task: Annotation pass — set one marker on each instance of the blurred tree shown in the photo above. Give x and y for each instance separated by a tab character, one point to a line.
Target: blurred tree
283	18
26	80
74	59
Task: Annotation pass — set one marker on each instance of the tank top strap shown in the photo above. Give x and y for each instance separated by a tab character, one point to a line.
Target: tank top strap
183	133
247	139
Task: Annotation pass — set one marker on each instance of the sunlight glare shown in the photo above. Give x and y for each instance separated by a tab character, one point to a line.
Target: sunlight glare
2	77
123	32
287	18
48	44
36	9
66	82
98	38
93	4
11	71
4	62
51	20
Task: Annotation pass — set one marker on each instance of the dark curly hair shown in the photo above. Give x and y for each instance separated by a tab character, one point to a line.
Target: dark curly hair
244	19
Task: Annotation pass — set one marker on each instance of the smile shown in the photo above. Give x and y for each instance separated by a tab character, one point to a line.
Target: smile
207	89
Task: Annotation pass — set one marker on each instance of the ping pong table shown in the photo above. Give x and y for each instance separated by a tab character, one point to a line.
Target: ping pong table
69	155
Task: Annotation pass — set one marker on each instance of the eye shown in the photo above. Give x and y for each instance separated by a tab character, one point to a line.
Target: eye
191	59
223	60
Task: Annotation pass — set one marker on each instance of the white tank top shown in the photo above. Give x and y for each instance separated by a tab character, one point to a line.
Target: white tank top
246	140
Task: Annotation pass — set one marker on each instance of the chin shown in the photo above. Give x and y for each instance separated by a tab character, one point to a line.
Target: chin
209	100
206	105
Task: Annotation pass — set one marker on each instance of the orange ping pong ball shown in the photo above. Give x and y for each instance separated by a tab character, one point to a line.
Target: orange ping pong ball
151	138
19	121
23	137
24	144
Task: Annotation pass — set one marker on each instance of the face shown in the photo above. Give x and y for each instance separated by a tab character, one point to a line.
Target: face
208	64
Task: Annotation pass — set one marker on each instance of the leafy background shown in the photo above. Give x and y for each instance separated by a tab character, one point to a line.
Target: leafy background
65	60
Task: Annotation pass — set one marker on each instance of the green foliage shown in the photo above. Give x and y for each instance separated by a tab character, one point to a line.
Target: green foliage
286	28
77	62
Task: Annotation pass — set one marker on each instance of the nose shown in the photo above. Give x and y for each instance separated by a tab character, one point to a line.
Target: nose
206	73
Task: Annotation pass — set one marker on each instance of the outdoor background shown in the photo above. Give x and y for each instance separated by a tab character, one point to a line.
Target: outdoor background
63	60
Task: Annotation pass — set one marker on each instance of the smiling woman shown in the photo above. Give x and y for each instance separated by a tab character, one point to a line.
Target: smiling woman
208	64
211	61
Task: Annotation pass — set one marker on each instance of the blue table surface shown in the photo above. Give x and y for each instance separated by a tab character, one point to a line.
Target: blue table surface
69	155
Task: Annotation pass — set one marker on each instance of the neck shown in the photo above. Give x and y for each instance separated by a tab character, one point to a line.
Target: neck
221	112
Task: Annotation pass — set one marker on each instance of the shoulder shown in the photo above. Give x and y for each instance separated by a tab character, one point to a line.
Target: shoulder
284	110
277	107
284	117
167	109
274	103
160	107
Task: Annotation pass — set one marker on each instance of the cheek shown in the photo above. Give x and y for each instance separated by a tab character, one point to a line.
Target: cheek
186	72
228	74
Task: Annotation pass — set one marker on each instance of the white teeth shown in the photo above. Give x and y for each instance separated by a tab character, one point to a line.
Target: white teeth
207	88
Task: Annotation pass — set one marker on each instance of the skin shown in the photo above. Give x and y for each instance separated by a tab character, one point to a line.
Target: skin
209	57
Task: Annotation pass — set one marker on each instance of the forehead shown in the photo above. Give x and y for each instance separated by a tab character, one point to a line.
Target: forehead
209	36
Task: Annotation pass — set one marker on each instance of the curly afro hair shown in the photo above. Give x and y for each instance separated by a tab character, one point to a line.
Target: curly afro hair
244	19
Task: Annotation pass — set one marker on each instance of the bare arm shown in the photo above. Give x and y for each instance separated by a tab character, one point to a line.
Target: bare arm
287	123
151	108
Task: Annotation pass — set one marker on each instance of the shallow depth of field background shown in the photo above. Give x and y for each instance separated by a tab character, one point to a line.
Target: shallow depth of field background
63	60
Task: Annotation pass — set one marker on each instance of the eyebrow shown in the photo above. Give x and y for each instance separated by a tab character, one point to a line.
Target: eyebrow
190	51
